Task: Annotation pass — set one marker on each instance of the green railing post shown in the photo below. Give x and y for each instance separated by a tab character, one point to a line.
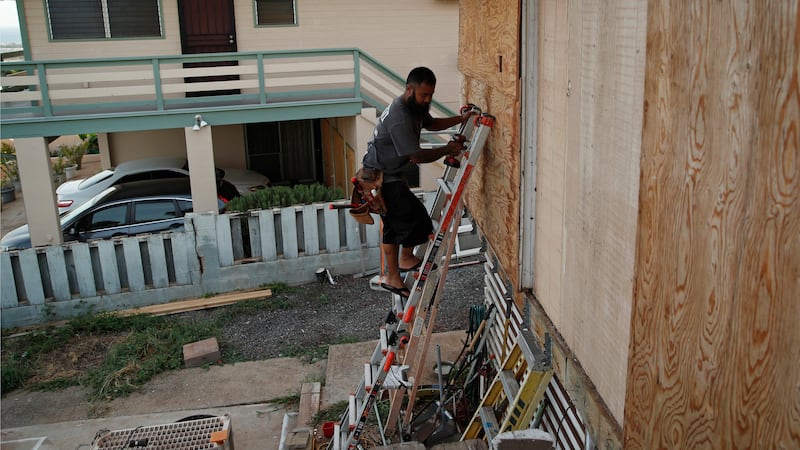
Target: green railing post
47	108
262	86
357	73
157	81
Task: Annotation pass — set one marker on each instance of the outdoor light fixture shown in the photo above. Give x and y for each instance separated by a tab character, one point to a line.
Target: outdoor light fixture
199	122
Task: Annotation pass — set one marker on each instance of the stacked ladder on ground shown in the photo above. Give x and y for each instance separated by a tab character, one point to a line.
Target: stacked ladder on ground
516	391
402	323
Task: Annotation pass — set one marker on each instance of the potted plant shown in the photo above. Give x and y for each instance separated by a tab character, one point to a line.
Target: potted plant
7	191
74	156
9	173
59	167
9	164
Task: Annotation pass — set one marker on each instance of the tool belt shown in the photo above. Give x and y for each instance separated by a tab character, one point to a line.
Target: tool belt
367	185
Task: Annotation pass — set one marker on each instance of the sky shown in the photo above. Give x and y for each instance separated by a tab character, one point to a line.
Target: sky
9	25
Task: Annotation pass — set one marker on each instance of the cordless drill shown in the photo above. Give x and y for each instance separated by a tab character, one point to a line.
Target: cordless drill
452	161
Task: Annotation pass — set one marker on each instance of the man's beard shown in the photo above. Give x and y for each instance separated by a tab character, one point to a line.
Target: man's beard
418	109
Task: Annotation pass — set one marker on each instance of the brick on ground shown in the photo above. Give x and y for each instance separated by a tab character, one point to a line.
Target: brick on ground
198	353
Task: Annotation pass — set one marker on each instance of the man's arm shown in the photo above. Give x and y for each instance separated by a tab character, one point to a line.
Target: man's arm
429	155
443	123
452	148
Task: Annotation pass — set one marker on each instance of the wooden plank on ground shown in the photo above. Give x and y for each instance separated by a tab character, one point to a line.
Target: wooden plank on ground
198	303
309	403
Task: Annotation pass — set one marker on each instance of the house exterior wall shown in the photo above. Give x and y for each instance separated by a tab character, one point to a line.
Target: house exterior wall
401	35
390	32
667	242
42	48
228	145
590	84
588	151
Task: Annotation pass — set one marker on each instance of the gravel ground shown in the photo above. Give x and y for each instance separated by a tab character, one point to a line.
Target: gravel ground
320	314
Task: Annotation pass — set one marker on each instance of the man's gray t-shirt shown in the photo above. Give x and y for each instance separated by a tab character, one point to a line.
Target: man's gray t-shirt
395	139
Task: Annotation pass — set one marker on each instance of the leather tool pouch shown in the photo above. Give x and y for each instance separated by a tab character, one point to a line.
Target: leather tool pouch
367	193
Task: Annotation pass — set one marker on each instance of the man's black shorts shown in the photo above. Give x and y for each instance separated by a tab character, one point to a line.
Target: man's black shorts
407	222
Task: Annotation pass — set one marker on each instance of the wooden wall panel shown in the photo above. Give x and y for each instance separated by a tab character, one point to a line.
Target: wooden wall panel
326	137
591	60
340	167
551	158
489	47
715	351
489	29
493	190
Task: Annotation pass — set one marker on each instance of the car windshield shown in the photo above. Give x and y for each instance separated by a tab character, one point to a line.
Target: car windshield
96	178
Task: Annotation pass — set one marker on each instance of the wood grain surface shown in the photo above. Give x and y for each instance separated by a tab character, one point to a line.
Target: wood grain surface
715	348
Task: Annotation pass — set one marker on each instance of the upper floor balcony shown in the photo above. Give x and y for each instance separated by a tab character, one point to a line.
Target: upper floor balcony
57	97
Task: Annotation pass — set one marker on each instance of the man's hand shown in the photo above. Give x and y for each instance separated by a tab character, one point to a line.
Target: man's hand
465	115
454	148
468	111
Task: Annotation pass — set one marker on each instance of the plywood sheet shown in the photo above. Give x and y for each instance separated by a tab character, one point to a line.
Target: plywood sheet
493	190
489	43
326	137
715	348
339	162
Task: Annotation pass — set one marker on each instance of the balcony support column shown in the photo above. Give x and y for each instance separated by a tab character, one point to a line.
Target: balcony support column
200	155
33	158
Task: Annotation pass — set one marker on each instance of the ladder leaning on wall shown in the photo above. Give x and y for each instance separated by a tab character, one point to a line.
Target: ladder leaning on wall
403	337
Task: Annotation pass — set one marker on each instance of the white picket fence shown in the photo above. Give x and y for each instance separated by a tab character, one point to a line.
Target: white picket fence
215	254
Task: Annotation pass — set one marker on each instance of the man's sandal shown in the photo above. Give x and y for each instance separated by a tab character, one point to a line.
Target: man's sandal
402	292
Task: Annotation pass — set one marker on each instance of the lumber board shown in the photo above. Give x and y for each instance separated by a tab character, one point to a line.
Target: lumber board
309	402
198	303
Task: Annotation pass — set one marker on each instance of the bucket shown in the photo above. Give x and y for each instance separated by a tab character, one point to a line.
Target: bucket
327	429
322	274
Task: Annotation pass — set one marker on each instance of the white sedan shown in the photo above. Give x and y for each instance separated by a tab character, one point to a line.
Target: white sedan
75	192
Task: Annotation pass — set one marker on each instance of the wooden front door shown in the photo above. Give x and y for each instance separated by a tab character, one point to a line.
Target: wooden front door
207	26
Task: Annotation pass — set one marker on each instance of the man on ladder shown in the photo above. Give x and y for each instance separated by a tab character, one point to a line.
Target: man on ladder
393	147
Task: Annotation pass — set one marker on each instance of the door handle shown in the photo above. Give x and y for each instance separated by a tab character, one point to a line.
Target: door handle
230	39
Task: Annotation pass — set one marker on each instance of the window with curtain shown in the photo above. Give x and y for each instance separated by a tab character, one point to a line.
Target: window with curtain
276	12
103	19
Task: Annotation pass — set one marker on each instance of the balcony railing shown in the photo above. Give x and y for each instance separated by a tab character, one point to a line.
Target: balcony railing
62	90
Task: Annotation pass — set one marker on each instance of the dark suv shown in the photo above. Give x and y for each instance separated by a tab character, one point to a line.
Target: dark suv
127	209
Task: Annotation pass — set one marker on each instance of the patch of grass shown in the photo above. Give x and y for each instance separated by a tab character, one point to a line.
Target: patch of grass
56	384
278	288
332	413
151	350
291	401
306	354
347	340
15	371
135	348
318	378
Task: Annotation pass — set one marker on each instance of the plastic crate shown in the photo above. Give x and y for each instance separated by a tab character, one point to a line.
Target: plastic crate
206	432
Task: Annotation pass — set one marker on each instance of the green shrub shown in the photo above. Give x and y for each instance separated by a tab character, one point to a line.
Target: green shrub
73	154
92	147
283	196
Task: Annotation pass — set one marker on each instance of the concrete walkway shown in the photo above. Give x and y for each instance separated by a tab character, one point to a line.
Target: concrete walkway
242	390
